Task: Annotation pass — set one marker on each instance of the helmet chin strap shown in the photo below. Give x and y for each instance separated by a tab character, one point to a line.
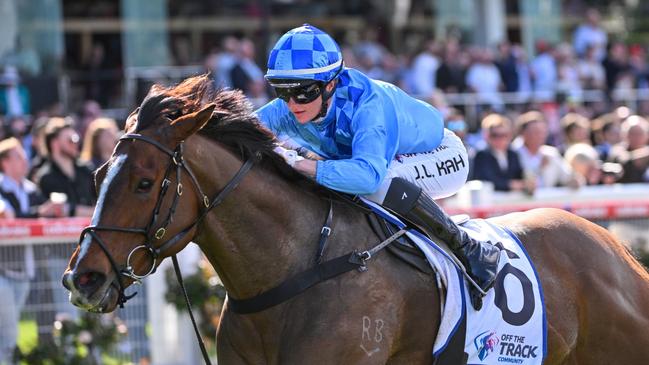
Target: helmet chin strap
325	97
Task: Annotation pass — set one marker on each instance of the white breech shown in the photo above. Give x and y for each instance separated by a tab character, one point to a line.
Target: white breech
440	172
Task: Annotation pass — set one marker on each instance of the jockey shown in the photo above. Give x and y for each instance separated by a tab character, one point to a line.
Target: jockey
371	139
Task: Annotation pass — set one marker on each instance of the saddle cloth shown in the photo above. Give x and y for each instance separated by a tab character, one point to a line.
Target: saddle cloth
511	326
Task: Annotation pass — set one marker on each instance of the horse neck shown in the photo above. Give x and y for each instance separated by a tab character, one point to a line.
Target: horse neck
265	230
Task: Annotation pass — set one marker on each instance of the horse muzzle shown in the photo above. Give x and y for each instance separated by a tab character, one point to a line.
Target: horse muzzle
91	291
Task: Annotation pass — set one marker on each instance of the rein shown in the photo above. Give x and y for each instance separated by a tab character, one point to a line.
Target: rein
148	232
284	291
178	162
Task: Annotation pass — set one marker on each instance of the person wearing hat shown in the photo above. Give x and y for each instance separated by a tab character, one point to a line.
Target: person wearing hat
14	97
371	139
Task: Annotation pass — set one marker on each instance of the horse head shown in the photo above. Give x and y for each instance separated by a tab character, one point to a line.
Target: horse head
146	208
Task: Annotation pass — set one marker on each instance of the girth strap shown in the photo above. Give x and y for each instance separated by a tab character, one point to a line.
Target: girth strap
306	279
297	284
325	232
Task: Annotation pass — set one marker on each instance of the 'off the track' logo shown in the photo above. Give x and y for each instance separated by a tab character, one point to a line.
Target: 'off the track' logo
485	343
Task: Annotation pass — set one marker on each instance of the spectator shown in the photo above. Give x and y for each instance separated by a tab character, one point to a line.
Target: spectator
225	61
633	153
590	34
245	74
90	111
14	96
639	66
16	271
367	65
591	72
483	78
456	123
507	65
369	49
21	196
438	100
451	74
568	82
616	65
39	151
181	49
584	161
18	126
606	133
523	73
498	163
25	56
62	172
576	129
424	69
539	160
98	73
544	71
99	142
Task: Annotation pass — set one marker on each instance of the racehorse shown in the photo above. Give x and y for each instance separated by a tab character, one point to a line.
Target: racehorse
191	148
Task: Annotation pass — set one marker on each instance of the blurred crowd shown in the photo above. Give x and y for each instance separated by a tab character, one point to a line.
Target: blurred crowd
532	123
47	162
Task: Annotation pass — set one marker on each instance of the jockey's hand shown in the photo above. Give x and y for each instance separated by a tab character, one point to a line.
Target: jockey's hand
291	156
308	154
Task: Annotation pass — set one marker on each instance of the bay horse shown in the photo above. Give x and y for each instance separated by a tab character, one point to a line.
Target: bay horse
195	138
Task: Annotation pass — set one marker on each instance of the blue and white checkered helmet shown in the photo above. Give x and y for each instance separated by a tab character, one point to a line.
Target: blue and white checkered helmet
303	54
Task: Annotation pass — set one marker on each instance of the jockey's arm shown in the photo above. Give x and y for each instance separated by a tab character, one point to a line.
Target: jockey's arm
372	151
306	167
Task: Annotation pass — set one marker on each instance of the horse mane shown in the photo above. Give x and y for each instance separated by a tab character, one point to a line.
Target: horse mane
233	124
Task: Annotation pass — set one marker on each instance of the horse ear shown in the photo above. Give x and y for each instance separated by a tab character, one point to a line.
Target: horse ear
191	123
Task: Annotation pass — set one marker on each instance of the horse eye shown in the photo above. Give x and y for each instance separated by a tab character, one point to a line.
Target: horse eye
144	185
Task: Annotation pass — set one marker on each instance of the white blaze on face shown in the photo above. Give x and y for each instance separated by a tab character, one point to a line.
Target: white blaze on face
113	170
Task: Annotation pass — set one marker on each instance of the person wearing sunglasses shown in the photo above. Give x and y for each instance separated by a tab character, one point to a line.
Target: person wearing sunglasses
370	139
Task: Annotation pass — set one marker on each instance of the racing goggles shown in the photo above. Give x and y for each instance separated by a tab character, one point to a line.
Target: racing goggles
300	94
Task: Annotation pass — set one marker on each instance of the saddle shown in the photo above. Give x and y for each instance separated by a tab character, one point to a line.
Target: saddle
403	248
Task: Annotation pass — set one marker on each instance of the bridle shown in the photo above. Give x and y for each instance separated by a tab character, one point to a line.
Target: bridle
355	260
151	234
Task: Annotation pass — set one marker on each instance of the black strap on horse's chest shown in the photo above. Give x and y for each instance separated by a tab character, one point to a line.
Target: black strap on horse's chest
321	272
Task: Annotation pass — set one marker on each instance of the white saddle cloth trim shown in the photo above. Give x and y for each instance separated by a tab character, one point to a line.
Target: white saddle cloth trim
490	339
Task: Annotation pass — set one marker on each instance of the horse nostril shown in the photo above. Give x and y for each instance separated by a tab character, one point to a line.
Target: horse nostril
88	282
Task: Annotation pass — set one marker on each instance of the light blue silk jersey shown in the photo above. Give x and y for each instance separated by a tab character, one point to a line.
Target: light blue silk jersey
367	125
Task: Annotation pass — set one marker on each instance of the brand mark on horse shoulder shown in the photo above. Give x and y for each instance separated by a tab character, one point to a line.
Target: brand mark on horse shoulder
450	165
372	333
370	353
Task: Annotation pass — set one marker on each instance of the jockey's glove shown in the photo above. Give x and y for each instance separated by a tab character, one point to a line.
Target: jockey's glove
291	156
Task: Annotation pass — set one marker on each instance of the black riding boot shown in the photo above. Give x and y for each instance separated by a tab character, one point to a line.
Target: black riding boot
480	259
